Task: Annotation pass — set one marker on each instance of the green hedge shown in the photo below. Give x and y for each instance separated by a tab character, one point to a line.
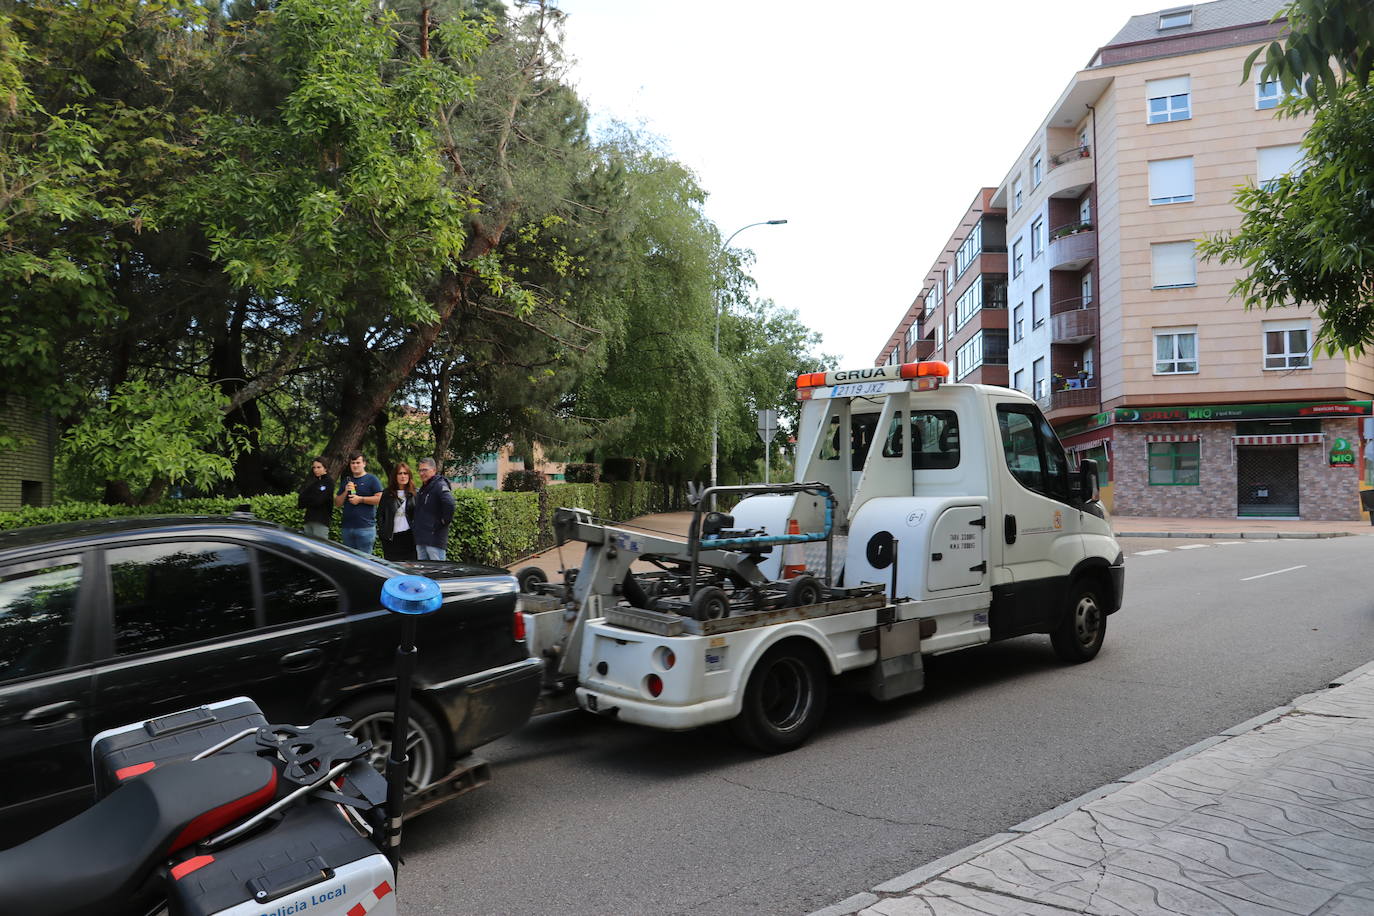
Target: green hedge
489	526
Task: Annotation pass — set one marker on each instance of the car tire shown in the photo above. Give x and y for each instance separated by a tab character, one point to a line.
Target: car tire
784	700
529	577
710	603
1079	637
371	719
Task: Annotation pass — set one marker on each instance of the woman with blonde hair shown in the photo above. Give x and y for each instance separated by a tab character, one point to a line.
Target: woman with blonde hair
395	513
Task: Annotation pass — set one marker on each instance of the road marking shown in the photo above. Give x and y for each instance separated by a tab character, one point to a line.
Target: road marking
1274	573
1148	553
1220	543
1192	546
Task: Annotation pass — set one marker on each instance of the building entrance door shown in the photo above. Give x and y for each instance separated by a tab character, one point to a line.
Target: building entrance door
1267	481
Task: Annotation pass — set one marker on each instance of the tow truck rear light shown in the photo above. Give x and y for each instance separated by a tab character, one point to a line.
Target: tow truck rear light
665	658
654	684
518	627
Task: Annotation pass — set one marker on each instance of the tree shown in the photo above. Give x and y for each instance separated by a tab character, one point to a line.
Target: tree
1307	238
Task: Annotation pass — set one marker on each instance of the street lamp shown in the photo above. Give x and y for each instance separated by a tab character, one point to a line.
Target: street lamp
715	419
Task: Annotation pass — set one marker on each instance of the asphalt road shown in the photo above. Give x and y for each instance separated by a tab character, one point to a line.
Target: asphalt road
587	816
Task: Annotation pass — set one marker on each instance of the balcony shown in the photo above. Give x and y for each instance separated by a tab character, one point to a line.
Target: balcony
1071	173
1069	403
919	350
1072	246
1072	321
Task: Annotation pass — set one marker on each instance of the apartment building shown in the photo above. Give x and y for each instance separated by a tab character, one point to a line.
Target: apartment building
960	313
489	471
1133	346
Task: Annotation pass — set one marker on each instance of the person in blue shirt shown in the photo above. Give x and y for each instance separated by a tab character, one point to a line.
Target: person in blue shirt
359	493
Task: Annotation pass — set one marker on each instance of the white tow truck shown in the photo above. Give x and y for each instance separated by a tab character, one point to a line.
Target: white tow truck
926	517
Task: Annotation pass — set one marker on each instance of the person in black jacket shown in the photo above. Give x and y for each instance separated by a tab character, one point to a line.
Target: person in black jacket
396	513
317	499
434	506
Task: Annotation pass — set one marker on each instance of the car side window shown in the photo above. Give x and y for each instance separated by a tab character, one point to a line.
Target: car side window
37	613
1033	453
293	592
170	594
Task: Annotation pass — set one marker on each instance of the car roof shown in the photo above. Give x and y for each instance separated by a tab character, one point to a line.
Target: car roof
100	528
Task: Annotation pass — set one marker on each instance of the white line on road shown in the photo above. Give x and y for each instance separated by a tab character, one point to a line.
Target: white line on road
1147	553
1220	543
1274	573
1191	546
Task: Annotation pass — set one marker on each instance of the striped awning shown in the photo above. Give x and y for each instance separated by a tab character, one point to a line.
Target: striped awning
1175	437
1291	439
1091	443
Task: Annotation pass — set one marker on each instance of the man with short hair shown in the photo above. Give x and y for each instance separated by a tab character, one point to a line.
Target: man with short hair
434	507
359	493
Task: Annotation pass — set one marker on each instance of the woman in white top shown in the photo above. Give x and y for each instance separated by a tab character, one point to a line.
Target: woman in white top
394	515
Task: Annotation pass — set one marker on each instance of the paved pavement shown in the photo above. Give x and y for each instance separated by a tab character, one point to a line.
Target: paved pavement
1273	816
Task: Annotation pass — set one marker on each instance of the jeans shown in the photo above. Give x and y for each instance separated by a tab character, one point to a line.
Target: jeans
317	529
431	553
360	539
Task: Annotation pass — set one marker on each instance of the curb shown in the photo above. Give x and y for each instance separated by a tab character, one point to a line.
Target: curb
1252	535
918	876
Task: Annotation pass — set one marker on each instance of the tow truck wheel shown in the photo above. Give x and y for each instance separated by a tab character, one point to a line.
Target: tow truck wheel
529	579
710	603
784	701
1080	636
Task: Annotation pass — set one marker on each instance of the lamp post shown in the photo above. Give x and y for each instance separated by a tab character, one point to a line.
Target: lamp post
715	419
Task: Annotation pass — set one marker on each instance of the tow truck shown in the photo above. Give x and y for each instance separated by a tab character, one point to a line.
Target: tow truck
925	517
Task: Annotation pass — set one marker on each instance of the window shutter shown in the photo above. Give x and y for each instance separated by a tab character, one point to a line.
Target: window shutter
1173	264
1278	160
1174	85
1171	180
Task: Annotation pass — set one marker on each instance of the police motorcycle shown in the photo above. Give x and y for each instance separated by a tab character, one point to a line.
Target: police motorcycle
214	811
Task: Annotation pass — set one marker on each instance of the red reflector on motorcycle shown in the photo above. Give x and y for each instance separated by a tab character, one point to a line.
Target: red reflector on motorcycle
128	772
655	684
190	865
519	627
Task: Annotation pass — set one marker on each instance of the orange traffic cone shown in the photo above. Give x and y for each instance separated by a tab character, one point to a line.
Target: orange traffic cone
793	555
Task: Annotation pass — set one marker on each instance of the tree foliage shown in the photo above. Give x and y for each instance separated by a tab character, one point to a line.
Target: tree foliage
1307	238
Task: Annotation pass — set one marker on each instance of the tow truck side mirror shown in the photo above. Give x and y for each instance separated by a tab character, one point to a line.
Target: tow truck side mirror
1087	479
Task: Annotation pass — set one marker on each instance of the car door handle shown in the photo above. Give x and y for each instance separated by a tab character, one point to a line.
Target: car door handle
52	714
1009	529
303	660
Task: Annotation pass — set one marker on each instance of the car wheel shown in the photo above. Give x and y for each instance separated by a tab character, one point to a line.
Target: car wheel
805	590
372	719
710	603
530	577
1080	636
785	699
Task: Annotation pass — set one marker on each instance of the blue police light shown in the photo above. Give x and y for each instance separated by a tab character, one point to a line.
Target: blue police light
411	595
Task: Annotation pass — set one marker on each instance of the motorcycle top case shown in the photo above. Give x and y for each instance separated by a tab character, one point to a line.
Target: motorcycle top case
120	753
312	863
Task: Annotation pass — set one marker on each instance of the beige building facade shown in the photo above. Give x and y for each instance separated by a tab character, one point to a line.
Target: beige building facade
1134	347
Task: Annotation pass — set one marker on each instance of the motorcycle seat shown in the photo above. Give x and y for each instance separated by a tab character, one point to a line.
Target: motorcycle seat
99	861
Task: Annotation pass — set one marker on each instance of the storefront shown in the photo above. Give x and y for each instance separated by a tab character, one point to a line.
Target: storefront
1293	460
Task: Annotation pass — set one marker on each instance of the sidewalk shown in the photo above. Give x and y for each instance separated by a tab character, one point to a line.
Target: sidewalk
1145	527
1275	815
555	559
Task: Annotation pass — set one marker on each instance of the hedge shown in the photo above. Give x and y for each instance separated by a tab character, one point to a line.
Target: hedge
489	526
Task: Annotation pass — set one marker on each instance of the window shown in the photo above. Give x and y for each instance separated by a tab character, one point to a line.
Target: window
1018	330
1033	453
1085	210
935	297
1018	380
969	250
1274	161
1086	287
1016	194
949	277
940	338
913	334
37	611
1038	307
1171	181
1173	264
1038	389
1037	169
934	440
968	304
1017	259
1267	94
950	322
1287	345
292	592
987	346
1168	100
1037	237
30	492
1174	464
1175	351
1175	19
170	594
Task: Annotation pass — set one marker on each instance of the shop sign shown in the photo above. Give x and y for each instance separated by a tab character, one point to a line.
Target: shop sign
1085	425
1221	412
1342	455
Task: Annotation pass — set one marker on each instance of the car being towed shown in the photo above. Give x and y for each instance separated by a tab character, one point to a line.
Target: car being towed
112	621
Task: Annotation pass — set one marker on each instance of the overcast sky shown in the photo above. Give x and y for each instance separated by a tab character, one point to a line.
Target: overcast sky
869	127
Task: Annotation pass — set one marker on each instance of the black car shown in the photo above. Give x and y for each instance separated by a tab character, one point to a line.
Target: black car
108	622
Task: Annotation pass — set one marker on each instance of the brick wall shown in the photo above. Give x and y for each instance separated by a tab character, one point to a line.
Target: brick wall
32	462
1325	493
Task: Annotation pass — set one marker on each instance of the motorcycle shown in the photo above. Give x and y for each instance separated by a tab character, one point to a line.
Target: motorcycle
214	811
